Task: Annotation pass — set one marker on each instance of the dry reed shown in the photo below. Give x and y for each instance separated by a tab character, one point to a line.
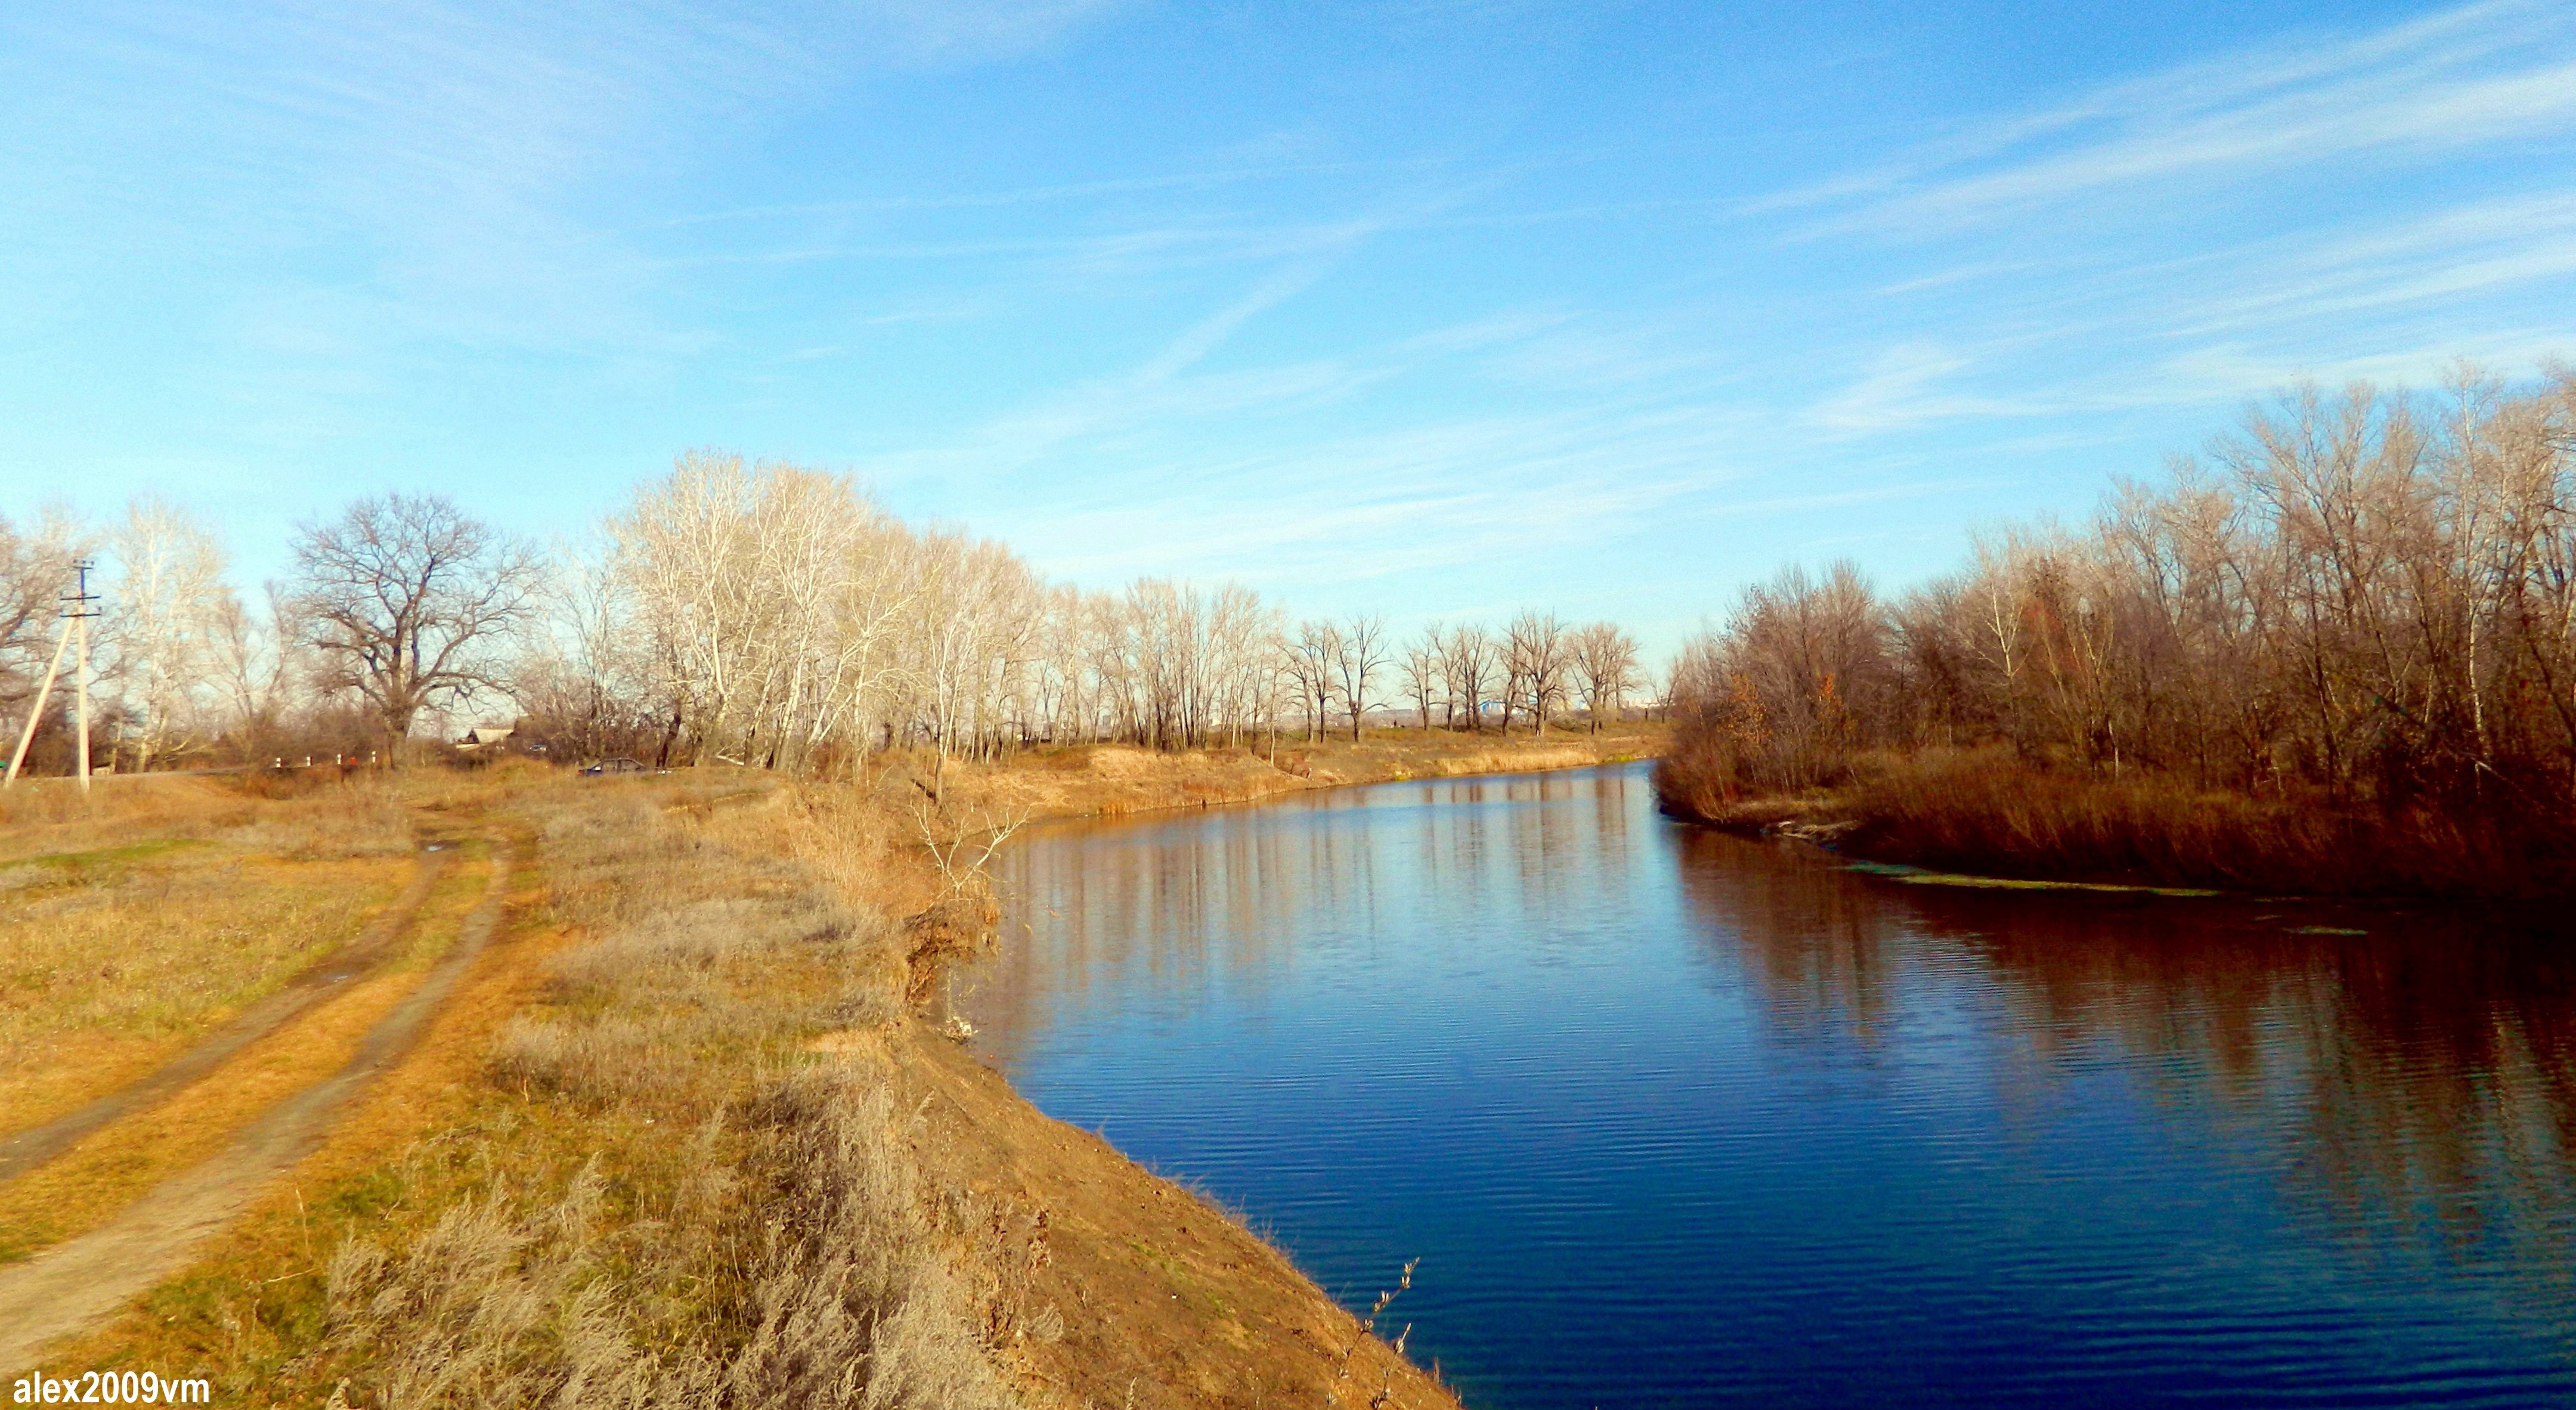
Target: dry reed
777	1247
1984	812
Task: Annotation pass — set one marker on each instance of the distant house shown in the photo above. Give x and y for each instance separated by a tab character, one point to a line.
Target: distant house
482	736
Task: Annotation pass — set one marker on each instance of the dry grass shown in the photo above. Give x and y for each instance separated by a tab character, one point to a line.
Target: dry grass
325	816
1985	813
53	815
111	961
1439	753
800	1213
90	1183
1113	779
685	1155
655	1190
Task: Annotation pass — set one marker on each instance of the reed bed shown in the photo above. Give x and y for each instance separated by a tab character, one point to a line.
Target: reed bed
1985	812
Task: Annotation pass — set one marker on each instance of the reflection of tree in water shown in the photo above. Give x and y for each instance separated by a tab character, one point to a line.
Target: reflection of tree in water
2417	1083
1146	909
1154	912
1819	945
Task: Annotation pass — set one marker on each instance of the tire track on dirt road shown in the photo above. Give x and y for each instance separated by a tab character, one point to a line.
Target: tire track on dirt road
25	1150
75	1284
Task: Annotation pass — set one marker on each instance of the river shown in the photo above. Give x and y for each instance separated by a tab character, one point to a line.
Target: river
1674	1118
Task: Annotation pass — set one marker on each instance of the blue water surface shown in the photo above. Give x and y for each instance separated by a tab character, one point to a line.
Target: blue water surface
1672	1118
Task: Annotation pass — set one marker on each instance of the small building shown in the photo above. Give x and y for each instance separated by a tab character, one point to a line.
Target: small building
484	736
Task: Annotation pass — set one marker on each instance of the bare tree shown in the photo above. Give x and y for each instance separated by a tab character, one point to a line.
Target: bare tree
1467	664
1605	665
975	628
1362	657
255	668
165	611
1534	656
585	676
1312	656
35	571
1422	677
2357	599
961	845
404	601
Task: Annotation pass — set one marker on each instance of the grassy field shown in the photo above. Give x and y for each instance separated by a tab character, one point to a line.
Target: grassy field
678	1137
128	933
102	1174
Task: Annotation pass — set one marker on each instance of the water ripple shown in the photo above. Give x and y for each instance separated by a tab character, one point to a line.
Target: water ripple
1673	1119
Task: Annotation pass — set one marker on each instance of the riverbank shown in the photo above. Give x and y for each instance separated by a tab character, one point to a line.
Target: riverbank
1108	780
678	1135
1983	813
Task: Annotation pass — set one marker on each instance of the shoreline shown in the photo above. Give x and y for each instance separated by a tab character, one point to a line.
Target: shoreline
728	955
1107	780
1178	1272
1300	787
1204	1256
1991	820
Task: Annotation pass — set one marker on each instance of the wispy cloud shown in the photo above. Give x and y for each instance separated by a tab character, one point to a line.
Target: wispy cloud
2471	249
1348	509
1052	194
1288	334
938	32
2481	74
1903	389
464	149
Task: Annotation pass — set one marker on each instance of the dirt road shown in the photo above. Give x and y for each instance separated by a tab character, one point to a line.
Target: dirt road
27	1149
75	1284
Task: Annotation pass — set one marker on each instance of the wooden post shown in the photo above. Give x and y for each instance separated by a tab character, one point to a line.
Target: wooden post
81	612
37	712
80	681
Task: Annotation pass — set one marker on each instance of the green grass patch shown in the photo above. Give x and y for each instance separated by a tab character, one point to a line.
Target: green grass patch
111	856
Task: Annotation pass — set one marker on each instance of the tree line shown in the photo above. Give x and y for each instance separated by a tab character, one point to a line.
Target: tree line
762	615
2365	599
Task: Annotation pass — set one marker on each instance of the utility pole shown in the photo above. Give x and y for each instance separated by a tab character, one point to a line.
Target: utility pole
36	711
75	623
80	614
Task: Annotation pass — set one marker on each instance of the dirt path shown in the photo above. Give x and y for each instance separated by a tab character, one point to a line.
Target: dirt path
30	1148
75	1284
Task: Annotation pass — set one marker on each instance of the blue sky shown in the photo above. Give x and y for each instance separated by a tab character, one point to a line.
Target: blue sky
1444	308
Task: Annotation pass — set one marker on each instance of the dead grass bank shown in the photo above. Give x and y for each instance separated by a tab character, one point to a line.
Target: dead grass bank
644	1191
1107	780
1983	812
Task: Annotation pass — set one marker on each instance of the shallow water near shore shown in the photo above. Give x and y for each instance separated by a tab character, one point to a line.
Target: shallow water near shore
1674	1118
